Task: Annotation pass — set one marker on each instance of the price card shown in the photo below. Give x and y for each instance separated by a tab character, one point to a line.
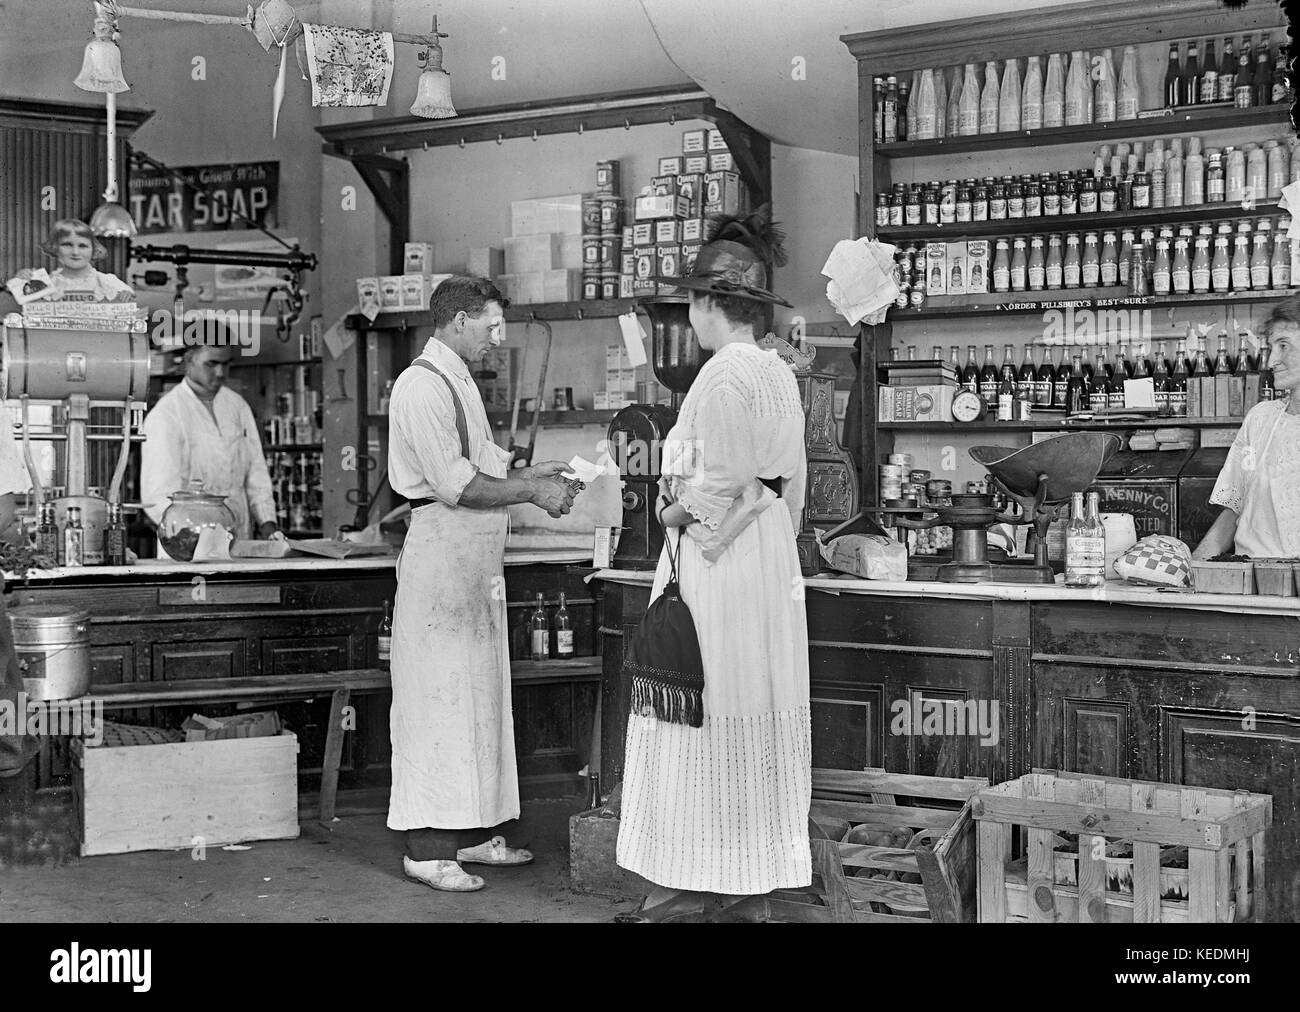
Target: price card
633	338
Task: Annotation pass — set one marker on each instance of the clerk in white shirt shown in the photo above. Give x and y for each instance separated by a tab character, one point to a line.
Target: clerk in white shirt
16	750
202	429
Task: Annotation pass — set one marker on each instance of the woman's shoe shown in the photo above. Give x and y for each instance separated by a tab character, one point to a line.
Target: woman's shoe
495	852
447	876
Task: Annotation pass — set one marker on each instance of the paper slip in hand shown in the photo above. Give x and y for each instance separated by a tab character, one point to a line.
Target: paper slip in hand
587	472
633	338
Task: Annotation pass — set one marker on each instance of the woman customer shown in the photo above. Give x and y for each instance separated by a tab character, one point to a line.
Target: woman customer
1259	486
720	811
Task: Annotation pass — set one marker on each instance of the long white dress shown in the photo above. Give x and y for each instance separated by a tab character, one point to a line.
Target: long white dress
724	807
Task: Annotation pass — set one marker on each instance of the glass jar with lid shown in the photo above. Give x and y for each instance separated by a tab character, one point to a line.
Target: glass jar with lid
998	201
1015	199
194	515
1051	197
1069	188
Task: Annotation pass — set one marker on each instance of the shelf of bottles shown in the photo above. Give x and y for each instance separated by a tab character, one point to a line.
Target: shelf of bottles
542	635
298	488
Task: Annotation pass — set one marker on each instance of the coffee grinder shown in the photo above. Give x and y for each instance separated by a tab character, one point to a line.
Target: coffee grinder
637	432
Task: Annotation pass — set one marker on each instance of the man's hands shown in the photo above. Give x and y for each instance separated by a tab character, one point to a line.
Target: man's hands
270	531
550	491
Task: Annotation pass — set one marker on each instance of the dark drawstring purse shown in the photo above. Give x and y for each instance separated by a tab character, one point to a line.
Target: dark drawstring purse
662	657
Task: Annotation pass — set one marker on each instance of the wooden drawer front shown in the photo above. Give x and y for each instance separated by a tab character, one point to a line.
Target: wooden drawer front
899	621
198	659
112	663
1097	738
297	655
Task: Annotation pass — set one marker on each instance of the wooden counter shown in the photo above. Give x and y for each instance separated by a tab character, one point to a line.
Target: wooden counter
163	621
1120	681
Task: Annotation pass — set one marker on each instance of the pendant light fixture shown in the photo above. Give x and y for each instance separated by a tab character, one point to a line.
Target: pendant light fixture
433	94
101	71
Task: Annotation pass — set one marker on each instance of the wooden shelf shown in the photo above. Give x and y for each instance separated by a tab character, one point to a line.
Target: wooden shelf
1059	424
1070	298
1195	119
501	419
291	447
1077	222
591	309
586	668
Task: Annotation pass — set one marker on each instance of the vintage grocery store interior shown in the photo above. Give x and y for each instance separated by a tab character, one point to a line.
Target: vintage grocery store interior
979	657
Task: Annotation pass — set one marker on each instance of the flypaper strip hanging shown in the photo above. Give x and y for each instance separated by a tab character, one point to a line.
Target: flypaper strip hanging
348	66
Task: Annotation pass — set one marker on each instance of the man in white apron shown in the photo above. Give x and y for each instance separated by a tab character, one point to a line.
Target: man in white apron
201	429
454	774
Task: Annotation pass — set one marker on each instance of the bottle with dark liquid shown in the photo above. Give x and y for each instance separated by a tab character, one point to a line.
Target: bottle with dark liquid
47	535
1076	391
1173	79
1191	84
1201	367
1178	382
1244	362
1115	388
1244	85
1263	76
989	380
114	536
1267	391
1209	76
1099	388
1061	383
970	375
901	129
1161	381
1227	82
384	651
1045	381
563	630
1222	366
539	632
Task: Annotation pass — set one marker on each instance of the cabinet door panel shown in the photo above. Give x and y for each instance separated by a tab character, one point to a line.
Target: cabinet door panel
1096	738
198	659
112	663
297	655
846	728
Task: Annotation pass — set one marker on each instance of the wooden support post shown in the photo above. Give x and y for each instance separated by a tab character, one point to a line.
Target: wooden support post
329	778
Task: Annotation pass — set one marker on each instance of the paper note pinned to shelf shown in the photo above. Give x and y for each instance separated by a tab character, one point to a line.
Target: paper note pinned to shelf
862	285
338	338
633	338
1290	201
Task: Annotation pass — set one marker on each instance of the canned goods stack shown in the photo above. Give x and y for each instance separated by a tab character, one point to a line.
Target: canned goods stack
603	237
891	482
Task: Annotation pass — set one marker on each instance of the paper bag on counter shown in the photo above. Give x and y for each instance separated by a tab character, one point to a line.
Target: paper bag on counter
869	556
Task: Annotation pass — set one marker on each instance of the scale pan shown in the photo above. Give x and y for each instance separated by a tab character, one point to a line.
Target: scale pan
1071	463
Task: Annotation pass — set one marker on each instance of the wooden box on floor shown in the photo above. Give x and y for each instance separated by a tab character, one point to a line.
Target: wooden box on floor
208	793
1145	852
929	877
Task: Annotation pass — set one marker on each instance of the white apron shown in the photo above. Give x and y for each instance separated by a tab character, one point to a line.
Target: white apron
451	722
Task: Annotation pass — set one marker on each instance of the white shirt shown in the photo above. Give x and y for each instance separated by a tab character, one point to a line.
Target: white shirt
182	442
13	472
424	458
1260	482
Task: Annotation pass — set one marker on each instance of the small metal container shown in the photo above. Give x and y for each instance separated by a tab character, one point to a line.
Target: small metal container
53	648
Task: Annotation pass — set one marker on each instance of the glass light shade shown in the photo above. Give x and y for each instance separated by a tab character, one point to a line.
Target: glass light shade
433	95
112	221
101	69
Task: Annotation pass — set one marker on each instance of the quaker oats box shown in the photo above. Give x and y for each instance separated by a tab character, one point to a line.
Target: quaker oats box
693	230
668	260
670	166
645	269
721	161
717	142
643	234
663	186
721	193
690	250
696	165
695	142
691	186
668	231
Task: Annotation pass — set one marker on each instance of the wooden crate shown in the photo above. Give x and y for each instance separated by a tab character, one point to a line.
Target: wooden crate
858	882
1131	835
209	793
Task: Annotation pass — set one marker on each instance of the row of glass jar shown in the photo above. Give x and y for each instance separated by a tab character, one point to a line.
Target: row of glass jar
1194	259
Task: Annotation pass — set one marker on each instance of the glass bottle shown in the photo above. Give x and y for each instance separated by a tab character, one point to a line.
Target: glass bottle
1157	160
74	538
1178	383
1054	92
1061	383
1031	96
1115	386
1175	174
1104	102
930	204
889	117
952	100
1209	76
1244	83
963	206
1200	262
1078	88
1129	102
1256	172
1221	265
1009	97
1226	84
1194	174
540	635
1072	265
1037	266
970	102
912	206
906	127
1173	79
1091	264
1007	389
1069	190
1015	199
948	202
1201	366
1019	265
1127	237
1160	380
940	103
563	630
970	375
878	105
1107	196
1263	80
989	379
1234	174
1002	266
1281	262
1244	259
1214	181
1243	363
1087	193
1191	82
1162	271
989	99
1044	380
897	203
384	638
1053	272
1137	281
1076	389
979	207
998	201
114	536
1222	366
1267	391
922	111
1095	549
1099	389
1033	197
1181	274
48	543
1275	156
1109	266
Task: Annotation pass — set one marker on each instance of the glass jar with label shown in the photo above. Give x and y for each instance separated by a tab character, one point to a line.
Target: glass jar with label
1091	263
1054	271
1215	185
1109	259
1221	262
1201	260
1141	189
1015	199
896	202
948	202
1002	266
1019	265
1261	255
882	210
1276	156
1107	199
963	202
1051	197
1126	239
1033	198
1234	174
1241	256
912	206
1087	194
930	204
1072	265
1069	194
979	205
1137	284
1037	267
998	201
1281	264
1162	269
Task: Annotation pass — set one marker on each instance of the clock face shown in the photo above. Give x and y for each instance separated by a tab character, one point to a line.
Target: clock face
967	406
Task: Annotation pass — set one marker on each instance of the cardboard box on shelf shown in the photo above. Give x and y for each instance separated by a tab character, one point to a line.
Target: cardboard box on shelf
571	255
691	186
915	404
523	217
529	287
670	166
721	161
1195	405
645	269
643	234
936	268
668	264
561	285
415	291
489	261
614	356
695	142
693	230
418	258
528	253
663	186
368	294
600	401
561	213
264	724
717	142
626	285
696	165
668	231
390	291
977	266
652	208
721	193
956	256
690	250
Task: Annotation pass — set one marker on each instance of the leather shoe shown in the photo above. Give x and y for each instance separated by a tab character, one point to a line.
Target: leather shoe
445	875
495	851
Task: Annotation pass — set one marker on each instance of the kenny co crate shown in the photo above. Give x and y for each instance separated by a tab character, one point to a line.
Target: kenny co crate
1067	847
887	847
163	797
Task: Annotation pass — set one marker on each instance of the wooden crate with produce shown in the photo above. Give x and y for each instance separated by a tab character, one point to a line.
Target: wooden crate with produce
1098	849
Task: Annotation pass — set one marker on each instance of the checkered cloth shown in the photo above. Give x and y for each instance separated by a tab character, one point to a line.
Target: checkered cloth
1158	560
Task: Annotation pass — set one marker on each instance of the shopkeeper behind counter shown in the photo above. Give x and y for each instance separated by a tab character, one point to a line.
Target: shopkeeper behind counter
1259	486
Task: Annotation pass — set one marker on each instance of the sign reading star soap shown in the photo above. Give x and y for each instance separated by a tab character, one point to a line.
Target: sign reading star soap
162	203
